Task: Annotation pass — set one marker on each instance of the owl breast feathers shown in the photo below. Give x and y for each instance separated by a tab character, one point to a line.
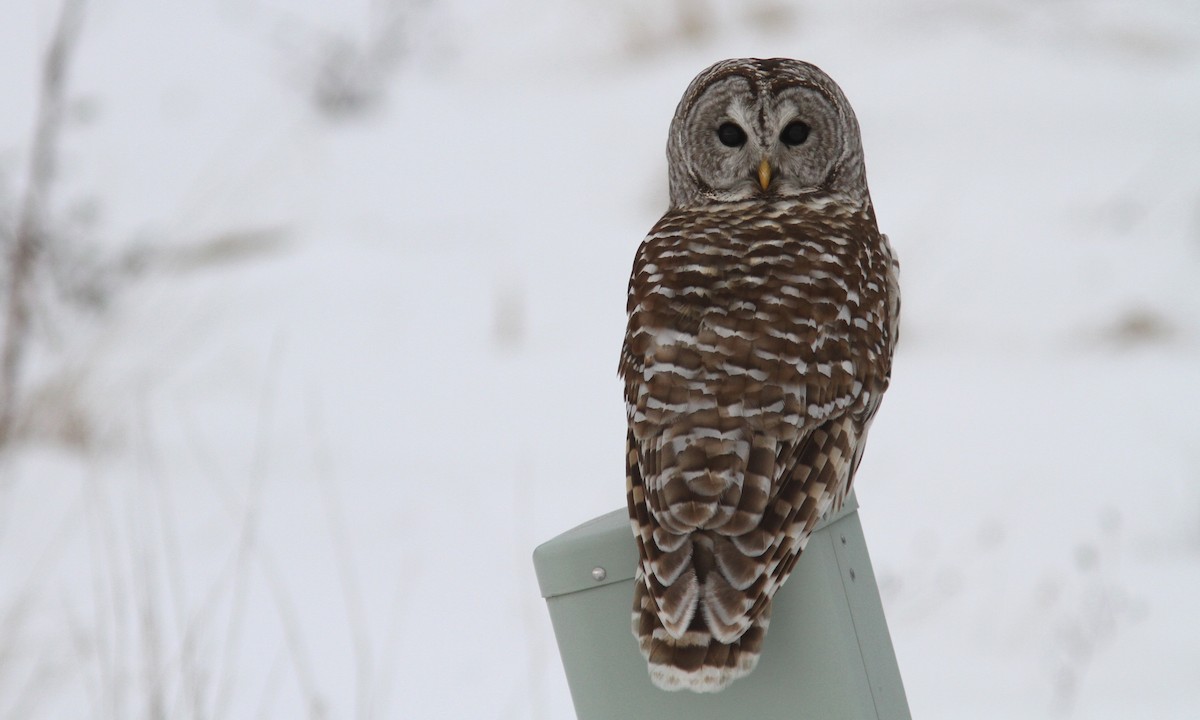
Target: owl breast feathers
762	318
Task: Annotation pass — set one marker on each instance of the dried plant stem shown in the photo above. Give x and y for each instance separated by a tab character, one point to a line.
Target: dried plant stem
28	237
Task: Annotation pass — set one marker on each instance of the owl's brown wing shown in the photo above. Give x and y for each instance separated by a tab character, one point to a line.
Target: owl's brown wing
814	478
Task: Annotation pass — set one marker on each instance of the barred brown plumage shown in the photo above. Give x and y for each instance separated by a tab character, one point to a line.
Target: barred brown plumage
763	312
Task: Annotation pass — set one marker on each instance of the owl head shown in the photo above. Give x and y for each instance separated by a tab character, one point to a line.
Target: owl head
750	128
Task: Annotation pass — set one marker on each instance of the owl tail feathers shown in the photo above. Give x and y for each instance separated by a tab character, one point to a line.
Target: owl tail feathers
695	661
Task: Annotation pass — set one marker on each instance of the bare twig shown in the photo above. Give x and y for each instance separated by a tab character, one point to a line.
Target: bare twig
151	470
110	605
30	230
14	618
84	645
35	688
249	533
271	684
356	616
306	678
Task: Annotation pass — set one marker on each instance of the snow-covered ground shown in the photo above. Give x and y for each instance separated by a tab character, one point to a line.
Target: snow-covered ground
299	463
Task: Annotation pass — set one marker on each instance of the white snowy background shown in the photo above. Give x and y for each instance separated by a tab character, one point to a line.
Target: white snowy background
359	274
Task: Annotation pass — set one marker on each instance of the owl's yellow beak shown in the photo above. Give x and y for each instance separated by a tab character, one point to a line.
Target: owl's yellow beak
764	174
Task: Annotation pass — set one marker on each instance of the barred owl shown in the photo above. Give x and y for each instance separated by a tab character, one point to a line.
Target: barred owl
763	313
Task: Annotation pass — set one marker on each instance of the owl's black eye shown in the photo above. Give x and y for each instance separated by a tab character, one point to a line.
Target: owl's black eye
731	135
794	134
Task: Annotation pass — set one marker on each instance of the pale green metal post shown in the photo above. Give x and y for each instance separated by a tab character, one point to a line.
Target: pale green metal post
828	653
